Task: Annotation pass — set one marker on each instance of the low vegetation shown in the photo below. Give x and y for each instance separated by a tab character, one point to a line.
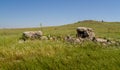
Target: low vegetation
60	55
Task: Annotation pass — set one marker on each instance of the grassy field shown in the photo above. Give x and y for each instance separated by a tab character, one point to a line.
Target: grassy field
60	55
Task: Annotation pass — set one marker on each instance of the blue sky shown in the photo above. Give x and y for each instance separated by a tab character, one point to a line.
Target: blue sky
30	13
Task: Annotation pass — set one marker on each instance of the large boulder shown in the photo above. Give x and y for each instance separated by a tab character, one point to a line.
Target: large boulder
85	32
32	35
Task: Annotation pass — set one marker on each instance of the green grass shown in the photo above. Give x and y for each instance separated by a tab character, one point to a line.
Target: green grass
60	55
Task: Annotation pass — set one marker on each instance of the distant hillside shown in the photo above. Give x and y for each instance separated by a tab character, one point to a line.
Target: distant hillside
101	29
91	21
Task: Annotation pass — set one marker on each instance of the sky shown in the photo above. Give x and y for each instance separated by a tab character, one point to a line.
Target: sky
32	13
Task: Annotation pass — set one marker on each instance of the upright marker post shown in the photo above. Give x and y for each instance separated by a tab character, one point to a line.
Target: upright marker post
41	26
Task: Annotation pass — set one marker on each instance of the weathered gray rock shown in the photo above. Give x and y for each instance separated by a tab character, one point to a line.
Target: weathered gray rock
32	35
85	32
73	40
